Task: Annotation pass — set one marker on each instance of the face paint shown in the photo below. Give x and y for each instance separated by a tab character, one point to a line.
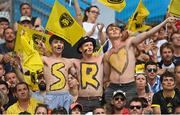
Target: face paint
56	45
85	50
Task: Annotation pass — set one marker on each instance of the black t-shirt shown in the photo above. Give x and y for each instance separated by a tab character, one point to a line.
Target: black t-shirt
176	59
167	104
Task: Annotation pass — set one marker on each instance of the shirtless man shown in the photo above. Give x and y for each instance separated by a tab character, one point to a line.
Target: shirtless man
119	61
90	75
56	70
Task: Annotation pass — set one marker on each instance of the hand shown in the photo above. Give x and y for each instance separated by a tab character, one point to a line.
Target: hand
22	33
125	35
144	57
6	58
14	63
73	71
171	19
41	45
100	26
161	71
94	28
154	49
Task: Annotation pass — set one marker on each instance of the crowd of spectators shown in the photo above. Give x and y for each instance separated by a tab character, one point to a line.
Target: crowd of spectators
133	74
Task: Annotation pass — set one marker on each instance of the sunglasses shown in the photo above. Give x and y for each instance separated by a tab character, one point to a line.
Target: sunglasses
137	107
119	98
151	70
99	113
94	12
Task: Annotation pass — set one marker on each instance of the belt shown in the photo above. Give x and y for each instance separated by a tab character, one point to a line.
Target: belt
90	98
121	84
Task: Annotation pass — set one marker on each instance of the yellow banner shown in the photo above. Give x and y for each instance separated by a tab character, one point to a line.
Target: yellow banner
117	5
136	21
174	8
33	38
26	45
62	24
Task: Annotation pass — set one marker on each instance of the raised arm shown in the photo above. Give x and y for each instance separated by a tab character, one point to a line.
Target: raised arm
141	37
37	22
79	15
106	70
101	33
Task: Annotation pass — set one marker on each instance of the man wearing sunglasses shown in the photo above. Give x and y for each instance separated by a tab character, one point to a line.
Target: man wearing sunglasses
118	103
152	77
136	106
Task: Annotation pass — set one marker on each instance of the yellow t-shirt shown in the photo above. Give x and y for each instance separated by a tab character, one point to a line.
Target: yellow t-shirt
16	109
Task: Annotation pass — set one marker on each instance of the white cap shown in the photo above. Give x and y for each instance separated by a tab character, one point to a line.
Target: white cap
119	92
5	15
25	18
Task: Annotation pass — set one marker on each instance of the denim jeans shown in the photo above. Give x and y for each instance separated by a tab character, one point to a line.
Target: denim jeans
129	89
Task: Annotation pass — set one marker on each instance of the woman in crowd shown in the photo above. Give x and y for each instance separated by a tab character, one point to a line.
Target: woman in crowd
89	22
143	91
73	87
41	109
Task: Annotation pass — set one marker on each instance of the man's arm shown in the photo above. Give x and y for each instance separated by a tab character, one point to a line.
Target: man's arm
141	37
73	69
101	34
106	70
156	110
37	21
78	12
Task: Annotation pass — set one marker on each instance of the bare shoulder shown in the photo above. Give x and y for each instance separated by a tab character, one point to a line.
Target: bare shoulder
99	56
130	39
74	60
44	58
107	55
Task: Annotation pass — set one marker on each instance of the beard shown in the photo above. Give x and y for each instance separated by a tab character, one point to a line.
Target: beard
42	86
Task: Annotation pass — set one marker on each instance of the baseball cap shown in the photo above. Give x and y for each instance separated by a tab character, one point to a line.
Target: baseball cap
4	16
4	19
25	18
119	92
74	105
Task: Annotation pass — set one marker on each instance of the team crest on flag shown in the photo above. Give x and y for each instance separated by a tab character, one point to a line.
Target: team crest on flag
174	8
136	21
65	20
36	40
115	1
62	24
117	5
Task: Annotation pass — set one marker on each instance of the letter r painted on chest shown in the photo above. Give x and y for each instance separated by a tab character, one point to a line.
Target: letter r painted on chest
88	72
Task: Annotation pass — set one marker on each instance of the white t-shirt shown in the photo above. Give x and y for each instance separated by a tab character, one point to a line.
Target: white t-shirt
88	27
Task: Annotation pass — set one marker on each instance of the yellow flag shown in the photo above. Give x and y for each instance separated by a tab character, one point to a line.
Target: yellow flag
139	68
24	46
174	8
34	36
62	24
136	21
100	50
31	58
117	5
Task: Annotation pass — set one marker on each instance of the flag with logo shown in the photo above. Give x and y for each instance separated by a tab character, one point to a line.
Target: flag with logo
34	36
117	5
136	21
25	47
174	8
62	24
